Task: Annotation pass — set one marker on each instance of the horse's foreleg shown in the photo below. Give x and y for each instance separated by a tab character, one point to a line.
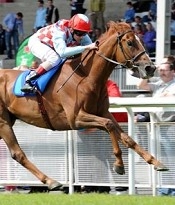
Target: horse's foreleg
117	134
18	155
128	142
86	120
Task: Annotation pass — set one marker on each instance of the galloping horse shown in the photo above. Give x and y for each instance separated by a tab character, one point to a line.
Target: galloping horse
76	98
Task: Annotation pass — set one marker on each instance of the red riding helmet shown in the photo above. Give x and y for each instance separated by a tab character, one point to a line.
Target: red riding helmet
80	22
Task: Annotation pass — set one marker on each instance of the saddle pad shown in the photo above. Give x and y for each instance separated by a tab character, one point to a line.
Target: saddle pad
40	83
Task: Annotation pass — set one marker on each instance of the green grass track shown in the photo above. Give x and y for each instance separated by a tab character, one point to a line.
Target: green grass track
82	199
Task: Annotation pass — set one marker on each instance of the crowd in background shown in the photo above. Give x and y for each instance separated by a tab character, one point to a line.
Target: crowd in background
46	13
140	15
144	26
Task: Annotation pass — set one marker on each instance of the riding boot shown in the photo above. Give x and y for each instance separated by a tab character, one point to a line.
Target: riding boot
28	88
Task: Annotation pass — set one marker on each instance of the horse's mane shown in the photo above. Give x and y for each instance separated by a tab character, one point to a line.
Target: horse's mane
113	27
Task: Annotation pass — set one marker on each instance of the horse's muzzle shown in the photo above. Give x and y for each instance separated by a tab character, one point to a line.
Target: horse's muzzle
150	70
146	71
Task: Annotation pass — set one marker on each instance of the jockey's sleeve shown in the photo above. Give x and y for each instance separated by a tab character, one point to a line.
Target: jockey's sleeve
86	40
65	51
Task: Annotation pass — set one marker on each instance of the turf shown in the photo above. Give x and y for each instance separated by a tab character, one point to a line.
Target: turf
82	199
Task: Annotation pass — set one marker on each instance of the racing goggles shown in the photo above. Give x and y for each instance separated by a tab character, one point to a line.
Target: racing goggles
79	33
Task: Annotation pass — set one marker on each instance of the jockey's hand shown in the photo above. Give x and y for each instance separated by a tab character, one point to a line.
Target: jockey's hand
92	46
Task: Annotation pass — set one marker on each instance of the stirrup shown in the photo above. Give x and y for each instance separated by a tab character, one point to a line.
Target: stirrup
27	88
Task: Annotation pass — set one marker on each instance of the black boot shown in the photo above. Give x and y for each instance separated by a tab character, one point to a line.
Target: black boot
28	87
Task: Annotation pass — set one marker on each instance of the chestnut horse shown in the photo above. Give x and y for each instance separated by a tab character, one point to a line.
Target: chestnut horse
76	98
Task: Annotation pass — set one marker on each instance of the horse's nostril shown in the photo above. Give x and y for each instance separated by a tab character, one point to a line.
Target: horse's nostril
147	69
150	70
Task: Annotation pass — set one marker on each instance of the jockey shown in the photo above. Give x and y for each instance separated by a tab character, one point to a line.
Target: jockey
60	40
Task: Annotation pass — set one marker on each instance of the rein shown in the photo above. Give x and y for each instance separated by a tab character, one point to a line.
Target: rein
74	71
117	63
110	60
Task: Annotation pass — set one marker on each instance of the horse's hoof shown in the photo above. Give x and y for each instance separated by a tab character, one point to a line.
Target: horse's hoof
161	168
119	170
55	186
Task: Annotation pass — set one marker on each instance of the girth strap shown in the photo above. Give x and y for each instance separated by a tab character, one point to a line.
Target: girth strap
43	110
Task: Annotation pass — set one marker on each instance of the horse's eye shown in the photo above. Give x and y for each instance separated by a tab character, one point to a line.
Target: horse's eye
130	43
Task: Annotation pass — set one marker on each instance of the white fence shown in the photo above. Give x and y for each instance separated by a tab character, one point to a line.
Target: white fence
47	149
86	158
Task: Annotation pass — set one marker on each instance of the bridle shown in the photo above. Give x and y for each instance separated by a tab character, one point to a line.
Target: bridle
129	63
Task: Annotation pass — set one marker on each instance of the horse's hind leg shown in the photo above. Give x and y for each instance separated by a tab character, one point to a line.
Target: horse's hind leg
17	154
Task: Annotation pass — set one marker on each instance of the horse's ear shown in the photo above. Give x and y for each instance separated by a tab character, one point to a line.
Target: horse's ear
107	26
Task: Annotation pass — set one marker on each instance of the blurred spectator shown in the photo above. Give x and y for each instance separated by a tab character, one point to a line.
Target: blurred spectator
2	40
77	7
173	11
141	116
13	28
172	34
11	188
139	32
97	8
149	38
129	12
52	13
152	12
138	21
40	18
96	34
141	6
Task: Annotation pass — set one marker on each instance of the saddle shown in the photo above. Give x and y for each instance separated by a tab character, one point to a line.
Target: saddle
39	84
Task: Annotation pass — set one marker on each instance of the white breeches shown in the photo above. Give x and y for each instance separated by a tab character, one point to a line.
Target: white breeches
46	54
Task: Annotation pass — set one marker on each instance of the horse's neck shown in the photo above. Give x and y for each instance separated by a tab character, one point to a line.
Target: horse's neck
100	69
